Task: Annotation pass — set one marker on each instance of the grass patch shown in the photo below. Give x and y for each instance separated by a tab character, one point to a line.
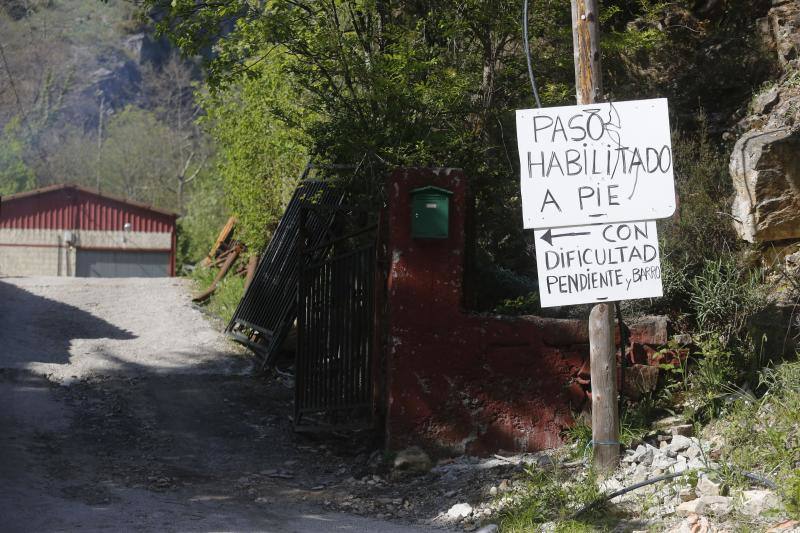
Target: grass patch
634	425
543	496
227	296
763	435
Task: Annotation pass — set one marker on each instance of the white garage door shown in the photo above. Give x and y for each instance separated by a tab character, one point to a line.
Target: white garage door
121	264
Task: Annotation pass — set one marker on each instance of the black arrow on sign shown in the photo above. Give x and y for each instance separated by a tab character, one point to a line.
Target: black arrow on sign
548	235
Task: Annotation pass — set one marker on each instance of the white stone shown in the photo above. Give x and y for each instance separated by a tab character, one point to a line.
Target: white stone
609	485
708	487
716	505
642	454
680	465
756	502
691	507
640	474
647	457
692	452
679	443
412	459
459	510
662	462
696	463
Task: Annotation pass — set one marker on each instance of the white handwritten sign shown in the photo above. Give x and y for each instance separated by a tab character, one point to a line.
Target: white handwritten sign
584	164
598	263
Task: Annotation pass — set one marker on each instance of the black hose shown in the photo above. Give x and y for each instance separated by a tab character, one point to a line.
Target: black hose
605	497
762	480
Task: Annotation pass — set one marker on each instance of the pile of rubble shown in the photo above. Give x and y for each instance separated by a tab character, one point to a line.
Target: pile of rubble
698	497
688	493
470	494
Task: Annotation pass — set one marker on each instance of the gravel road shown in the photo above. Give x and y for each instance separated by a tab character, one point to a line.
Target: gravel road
71	328
123	409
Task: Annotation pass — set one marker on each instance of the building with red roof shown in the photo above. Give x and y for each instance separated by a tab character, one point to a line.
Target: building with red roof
69	230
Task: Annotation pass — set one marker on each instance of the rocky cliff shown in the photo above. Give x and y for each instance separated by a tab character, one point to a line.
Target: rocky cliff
765	163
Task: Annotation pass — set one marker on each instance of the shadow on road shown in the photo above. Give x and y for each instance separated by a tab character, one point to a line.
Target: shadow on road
37	329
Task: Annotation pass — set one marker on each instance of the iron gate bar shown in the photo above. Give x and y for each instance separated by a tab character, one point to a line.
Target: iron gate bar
343	238
335	338
268	307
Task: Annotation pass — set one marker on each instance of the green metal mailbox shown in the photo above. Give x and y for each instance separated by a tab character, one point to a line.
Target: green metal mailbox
430	213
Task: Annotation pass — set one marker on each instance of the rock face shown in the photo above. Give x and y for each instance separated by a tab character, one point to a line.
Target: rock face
766	175
764	165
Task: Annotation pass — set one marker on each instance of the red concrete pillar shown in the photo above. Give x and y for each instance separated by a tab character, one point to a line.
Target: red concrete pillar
425	275
423	299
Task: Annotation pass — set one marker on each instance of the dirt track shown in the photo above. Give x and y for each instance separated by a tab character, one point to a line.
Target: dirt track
123	409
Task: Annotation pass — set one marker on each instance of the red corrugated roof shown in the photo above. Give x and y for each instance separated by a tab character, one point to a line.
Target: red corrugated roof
74	207
87	190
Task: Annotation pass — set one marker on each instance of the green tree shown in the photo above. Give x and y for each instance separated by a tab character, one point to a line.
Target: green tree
260	156
15	175
436	83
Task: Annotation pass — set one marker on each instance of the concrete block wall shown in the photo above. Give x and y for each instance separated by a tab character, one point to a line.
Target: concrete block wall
26	252
35	253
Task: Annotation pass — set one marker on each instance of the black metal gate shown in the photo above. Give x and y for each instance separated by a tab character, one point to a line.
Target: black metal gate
336	319
268	308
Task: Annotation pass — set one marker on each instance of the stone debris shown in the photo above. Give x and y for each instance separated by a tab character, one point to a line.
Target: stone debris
695	503
412	460
686	430
469	493
757	502
708	487
459	510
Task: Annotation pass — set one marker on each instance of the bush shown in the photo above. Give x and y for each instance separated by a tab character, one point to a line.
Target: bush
502	290
260	154
205	216
724	296
225	299
522	305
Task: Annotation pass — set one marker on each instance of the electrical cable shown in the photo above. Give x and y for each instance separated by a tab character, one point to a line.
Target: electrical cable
528	53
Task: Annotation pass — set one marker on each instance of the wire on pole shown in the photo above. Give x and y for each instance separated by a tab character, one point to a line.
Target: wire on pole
528	53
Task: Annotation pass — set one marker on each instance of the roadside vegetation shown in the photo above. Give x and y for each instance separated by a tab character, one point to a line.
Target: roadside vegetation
223	302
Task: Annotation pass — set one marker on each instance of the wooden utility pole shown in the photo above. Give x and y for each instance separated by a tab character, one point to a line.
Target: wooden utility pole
602	352
603	361
586	49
